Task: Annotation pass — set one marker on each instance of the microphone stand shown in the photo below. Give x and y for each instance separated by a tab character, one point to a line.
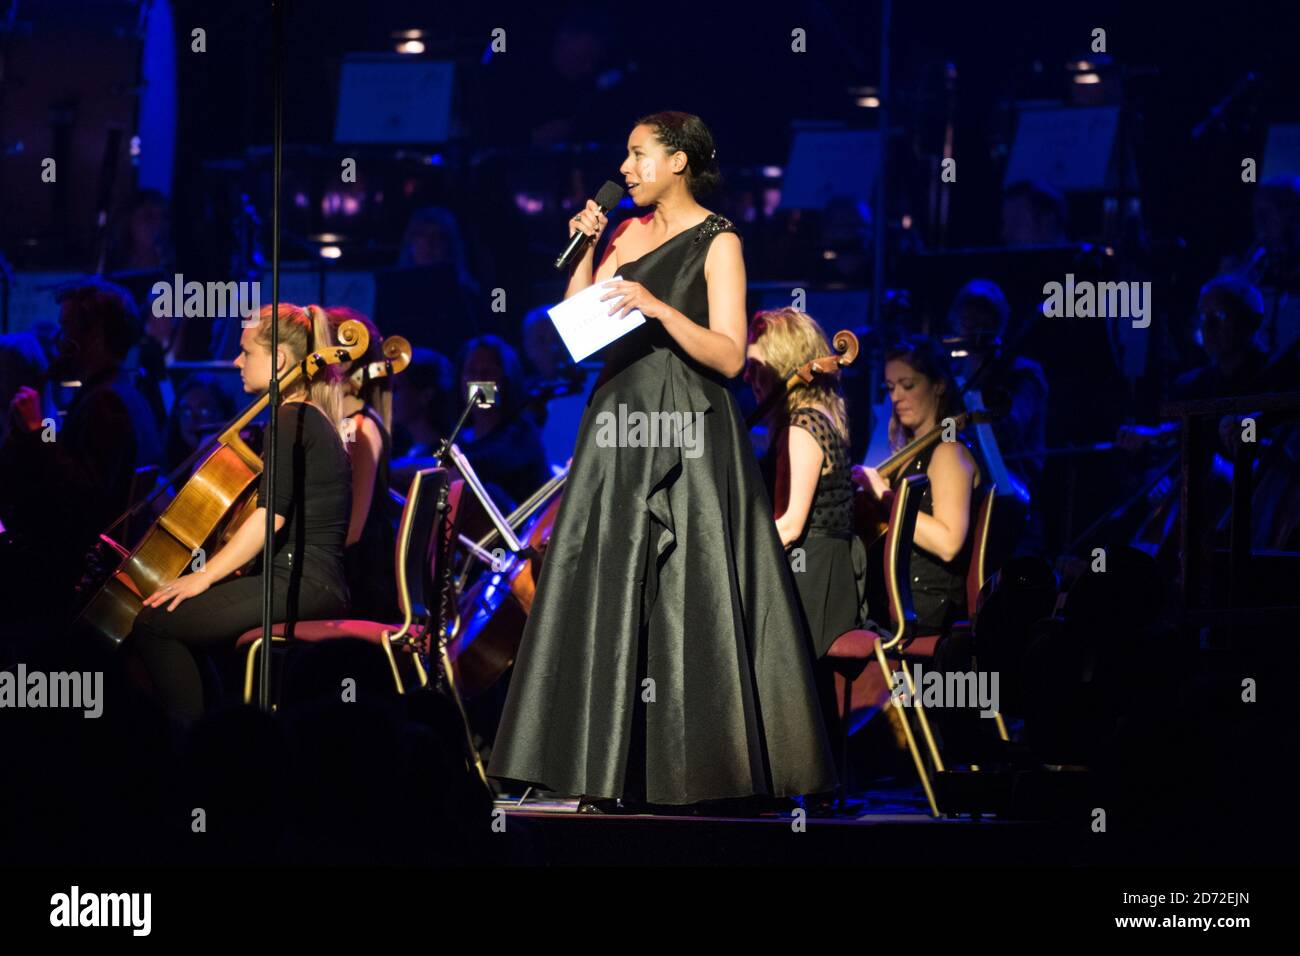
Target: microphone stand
273	403
448	452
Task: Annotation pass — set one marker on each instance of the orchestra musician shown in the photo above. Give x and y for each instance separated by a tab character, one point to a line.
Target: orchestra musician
367	418
923	394
208	608
62	485
807	474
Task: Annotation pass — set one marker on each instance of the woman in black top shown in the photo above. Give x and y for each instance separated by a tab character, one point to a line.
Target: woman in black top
203	610
806	469
367	419
924	394
807	473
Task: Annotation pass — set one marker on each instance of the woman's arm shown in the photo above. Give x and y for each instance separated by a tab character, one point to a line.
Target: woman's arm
952	478
244	545
367	444
721	346
804	456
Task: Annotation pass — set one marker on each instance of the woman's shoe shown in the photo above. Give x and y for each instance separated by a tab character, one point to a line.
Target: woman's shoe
600	805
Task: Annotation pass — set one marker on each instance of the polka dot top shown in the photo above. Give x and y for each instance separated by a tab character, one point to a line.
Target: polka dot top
832	506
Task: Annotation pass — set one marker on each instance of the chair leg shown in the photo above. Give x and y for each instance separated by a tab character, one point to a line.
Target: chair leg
845	714
912	748
931	746
255	649
460	706
249	660
387	646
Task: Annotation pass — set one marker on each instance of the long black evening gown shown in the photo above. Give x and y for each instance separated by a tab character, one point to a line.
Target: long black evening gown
664	566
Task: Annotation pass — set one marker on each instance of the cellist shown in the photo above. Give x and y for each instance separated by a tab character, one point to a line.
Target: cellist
807	474
923	394
206	609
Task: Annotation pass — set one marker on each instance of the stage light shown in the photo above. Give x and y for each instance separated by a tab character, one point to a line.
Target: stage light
1087	79
408	41
869	102
529	205
331	252
772	172
830	254
907	221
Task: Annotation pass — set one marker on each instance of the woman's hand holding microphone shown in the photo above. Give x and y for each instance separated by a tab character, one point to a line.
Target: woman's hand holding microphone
590	222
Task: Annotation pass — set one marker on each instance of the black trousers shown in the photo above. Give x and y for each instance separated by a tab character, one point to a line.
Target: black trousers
166	640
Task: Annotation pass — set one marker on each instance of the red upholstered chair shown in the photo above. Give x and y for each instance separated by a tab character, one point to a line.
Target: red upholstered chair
854	653
425	515
976	575
857	651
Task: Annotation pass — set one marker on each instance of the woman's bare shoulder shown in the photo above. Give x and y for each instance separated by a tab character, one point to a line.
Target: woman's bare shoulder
952	454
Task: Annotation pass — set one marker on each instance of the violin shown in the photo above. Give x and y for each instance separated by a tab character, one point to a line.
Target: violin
214	500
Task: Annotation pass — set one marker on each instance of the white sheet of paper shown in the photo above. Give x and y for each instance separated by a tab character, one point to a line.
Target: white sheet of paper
584	322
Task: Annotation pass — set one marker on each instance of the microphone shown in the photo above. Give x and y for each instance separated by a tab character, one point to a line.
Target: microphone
610	195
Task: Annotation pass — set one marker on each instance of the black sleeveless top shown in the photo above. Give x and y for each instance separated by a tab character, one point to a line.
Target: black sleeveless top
674	273
369	562
313	493
938	586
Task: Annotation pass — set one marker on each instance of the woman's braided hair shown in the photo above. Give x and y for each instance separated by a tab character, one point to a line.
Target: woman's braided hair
686	133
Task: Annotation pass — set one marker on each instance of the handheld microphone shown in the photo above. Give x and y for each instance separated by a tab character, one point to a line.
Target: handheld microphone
610	195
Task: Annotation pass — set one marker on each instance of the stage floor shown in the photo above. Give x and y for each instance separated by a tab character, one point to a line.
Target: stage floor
884	828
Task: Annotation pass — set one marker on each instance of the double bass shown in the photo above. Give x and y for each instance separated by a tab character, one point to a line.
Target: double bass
208	507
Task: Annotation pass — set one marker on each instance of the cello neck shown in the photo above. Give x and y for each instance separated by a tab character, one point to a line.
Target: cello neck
231	435
891	467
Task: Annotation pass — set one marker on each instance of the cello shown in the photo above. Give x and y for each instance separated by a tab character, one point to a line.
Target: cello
870	515
846	347
209	506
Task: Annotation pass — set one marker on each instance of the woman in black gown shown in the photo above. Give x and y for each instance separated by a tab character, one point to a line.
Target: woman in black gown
664	661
